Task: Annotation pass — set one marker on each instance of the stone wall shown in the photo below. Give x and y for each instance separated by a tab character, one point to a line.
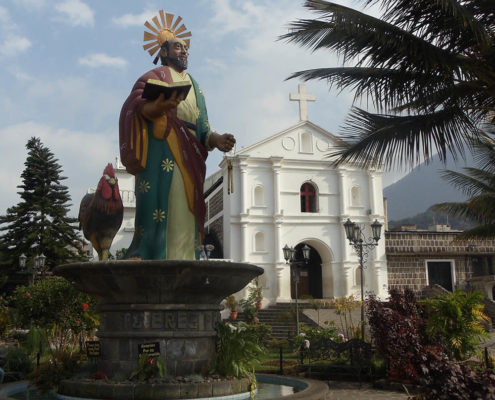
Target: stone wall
214	206
407	253
414	242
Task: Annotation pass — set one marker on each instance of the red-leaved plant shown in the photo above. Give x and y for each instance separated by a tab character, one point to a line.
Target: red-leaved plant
399	334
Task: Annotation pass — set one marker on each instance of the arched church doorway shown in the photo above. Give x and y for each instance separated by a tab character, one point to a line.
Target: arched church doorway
310	280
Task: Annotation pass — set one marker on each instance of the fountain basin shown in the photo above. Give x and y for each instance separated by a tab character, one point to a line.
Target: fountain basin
171	304
308	389
159	281
91	389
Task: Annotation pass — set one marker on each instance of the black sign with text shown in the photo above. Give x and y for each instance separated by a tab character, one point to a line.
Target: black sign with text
152	349
93	348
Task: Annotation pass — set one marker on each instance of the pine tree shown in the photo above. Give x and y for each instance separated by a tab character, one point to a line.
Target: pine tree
39	223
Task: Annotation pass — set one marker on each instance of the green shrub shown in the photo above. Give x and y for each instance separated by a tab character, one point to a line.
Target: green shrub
399	331
36	341
344	306
249	309
62	365
5	319
237	350
56	307
18	362
263	332
457	321
55	301
277	343
313	335
148	368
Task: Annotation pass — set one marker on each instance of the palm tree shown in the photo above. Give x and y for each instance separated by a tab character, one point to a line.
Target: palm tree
479	185
428	68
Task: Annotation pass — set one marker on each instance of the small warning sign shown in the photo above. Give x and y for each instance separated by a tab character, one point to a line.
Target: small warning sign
152	349
93	348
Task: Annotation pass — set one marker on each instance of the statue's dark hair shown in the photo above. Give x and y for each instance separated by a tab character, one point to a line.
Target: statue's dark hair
165	45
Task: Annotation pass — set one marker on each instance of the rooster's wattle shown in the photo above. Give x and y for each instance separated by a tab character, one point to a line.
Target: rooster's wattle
101	213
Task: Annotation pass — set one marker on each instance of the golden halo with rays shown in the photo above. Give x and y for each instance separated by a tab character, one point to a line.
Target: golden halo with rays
163	30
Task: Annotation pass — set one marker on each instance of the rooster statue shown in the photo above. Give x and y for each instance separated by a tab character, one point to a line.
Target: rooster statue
101	213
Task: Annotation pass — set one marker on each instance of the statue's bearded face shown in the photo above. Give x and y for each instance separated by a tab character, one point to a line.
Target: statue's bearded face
178	52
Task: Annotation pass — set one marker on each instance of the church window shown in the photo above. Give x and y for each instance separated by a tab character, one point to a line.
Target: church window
308	197
356	196
259	241
259	196
306	145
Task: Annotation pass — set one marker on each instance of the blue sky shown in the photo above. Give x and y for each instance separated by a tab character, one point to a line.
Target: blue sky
66	67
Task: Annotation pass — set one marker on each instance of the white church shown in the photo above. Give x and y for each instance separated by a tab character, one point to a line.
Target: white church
282	191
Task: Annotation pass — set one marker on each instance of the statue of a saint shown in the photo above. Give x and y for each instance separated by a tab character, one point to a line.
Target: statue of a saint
164	143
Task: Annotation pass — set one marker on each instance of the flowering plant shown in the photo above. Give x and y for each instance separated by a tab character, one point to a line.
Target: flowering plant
237	349
344	307
149	367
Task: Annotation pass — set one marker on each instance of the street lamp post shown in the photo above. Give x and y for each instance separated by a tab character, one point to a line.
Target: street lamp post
289	255
362	246
38	265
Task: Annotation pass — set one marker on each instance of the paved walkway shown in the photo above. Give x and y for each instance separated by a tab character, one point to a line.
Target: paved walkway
353	391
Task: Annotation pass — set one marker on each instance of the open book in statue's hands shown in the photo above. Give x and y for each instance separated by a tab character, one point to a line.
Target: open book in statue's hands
154	87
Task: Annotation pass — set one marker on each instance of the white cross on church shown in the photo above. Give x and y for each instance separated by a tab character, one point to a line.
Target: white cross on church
302	97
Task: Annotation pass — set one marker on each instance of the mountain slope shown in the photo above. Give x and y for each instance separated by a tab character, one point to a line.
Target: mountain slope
421	188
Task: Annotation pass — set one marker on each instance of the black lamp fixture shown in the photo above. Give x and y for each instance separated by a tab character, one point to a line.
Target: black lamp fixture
38	264
362	245
376	230
354	233
289	256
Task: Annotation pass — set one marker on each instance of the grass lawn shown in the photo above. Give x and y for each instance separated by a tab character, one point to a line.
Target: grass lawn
270	362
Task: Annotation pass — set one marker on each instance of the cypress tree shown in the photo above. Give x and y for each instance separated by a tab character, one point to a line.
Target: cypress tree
39	223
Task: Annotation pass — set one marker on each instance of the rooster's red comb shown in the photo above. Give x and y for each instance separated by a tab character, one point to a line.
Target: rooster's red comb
109	170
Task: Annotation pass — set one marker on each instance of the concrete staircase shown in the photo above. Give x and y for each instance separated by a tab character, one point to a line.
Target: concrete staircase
281	317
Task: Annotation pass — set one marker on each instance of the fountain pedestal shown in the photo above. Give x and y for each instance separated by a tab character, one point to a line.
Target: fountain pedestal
173	303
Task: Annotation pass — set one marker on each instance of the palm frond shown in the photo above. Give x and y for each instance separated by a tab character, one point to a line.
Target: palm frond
451	23
471	183
430	59
479	232
356	35
374	140
484	152
484	206
458	210
386	87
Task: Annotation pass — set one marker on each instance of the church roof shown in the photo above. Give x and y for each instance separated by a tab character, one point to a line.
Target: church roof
324	141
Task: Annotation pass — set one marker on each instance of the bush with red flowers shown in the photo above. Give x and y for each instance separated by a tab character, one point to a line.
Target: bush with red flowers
54	302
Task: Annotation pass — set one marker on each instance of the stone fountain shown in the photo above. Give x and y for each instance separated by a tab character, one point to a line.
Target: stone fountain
173	305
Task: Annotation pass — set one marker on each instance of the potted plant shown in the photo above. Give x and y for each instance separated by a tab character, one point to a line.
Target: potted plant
256	294
232	304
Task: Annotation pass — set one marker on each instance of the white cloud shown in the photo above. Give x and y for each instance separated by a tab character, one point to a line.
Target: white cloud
13	45
5	20
21	75
75	12
127	20
257	70
215	64
229	19
102	60
32	4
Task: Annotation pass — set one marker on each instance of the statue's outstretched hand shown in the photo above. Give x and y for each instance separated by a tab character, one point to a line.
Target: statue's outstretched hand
160	106
225	142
